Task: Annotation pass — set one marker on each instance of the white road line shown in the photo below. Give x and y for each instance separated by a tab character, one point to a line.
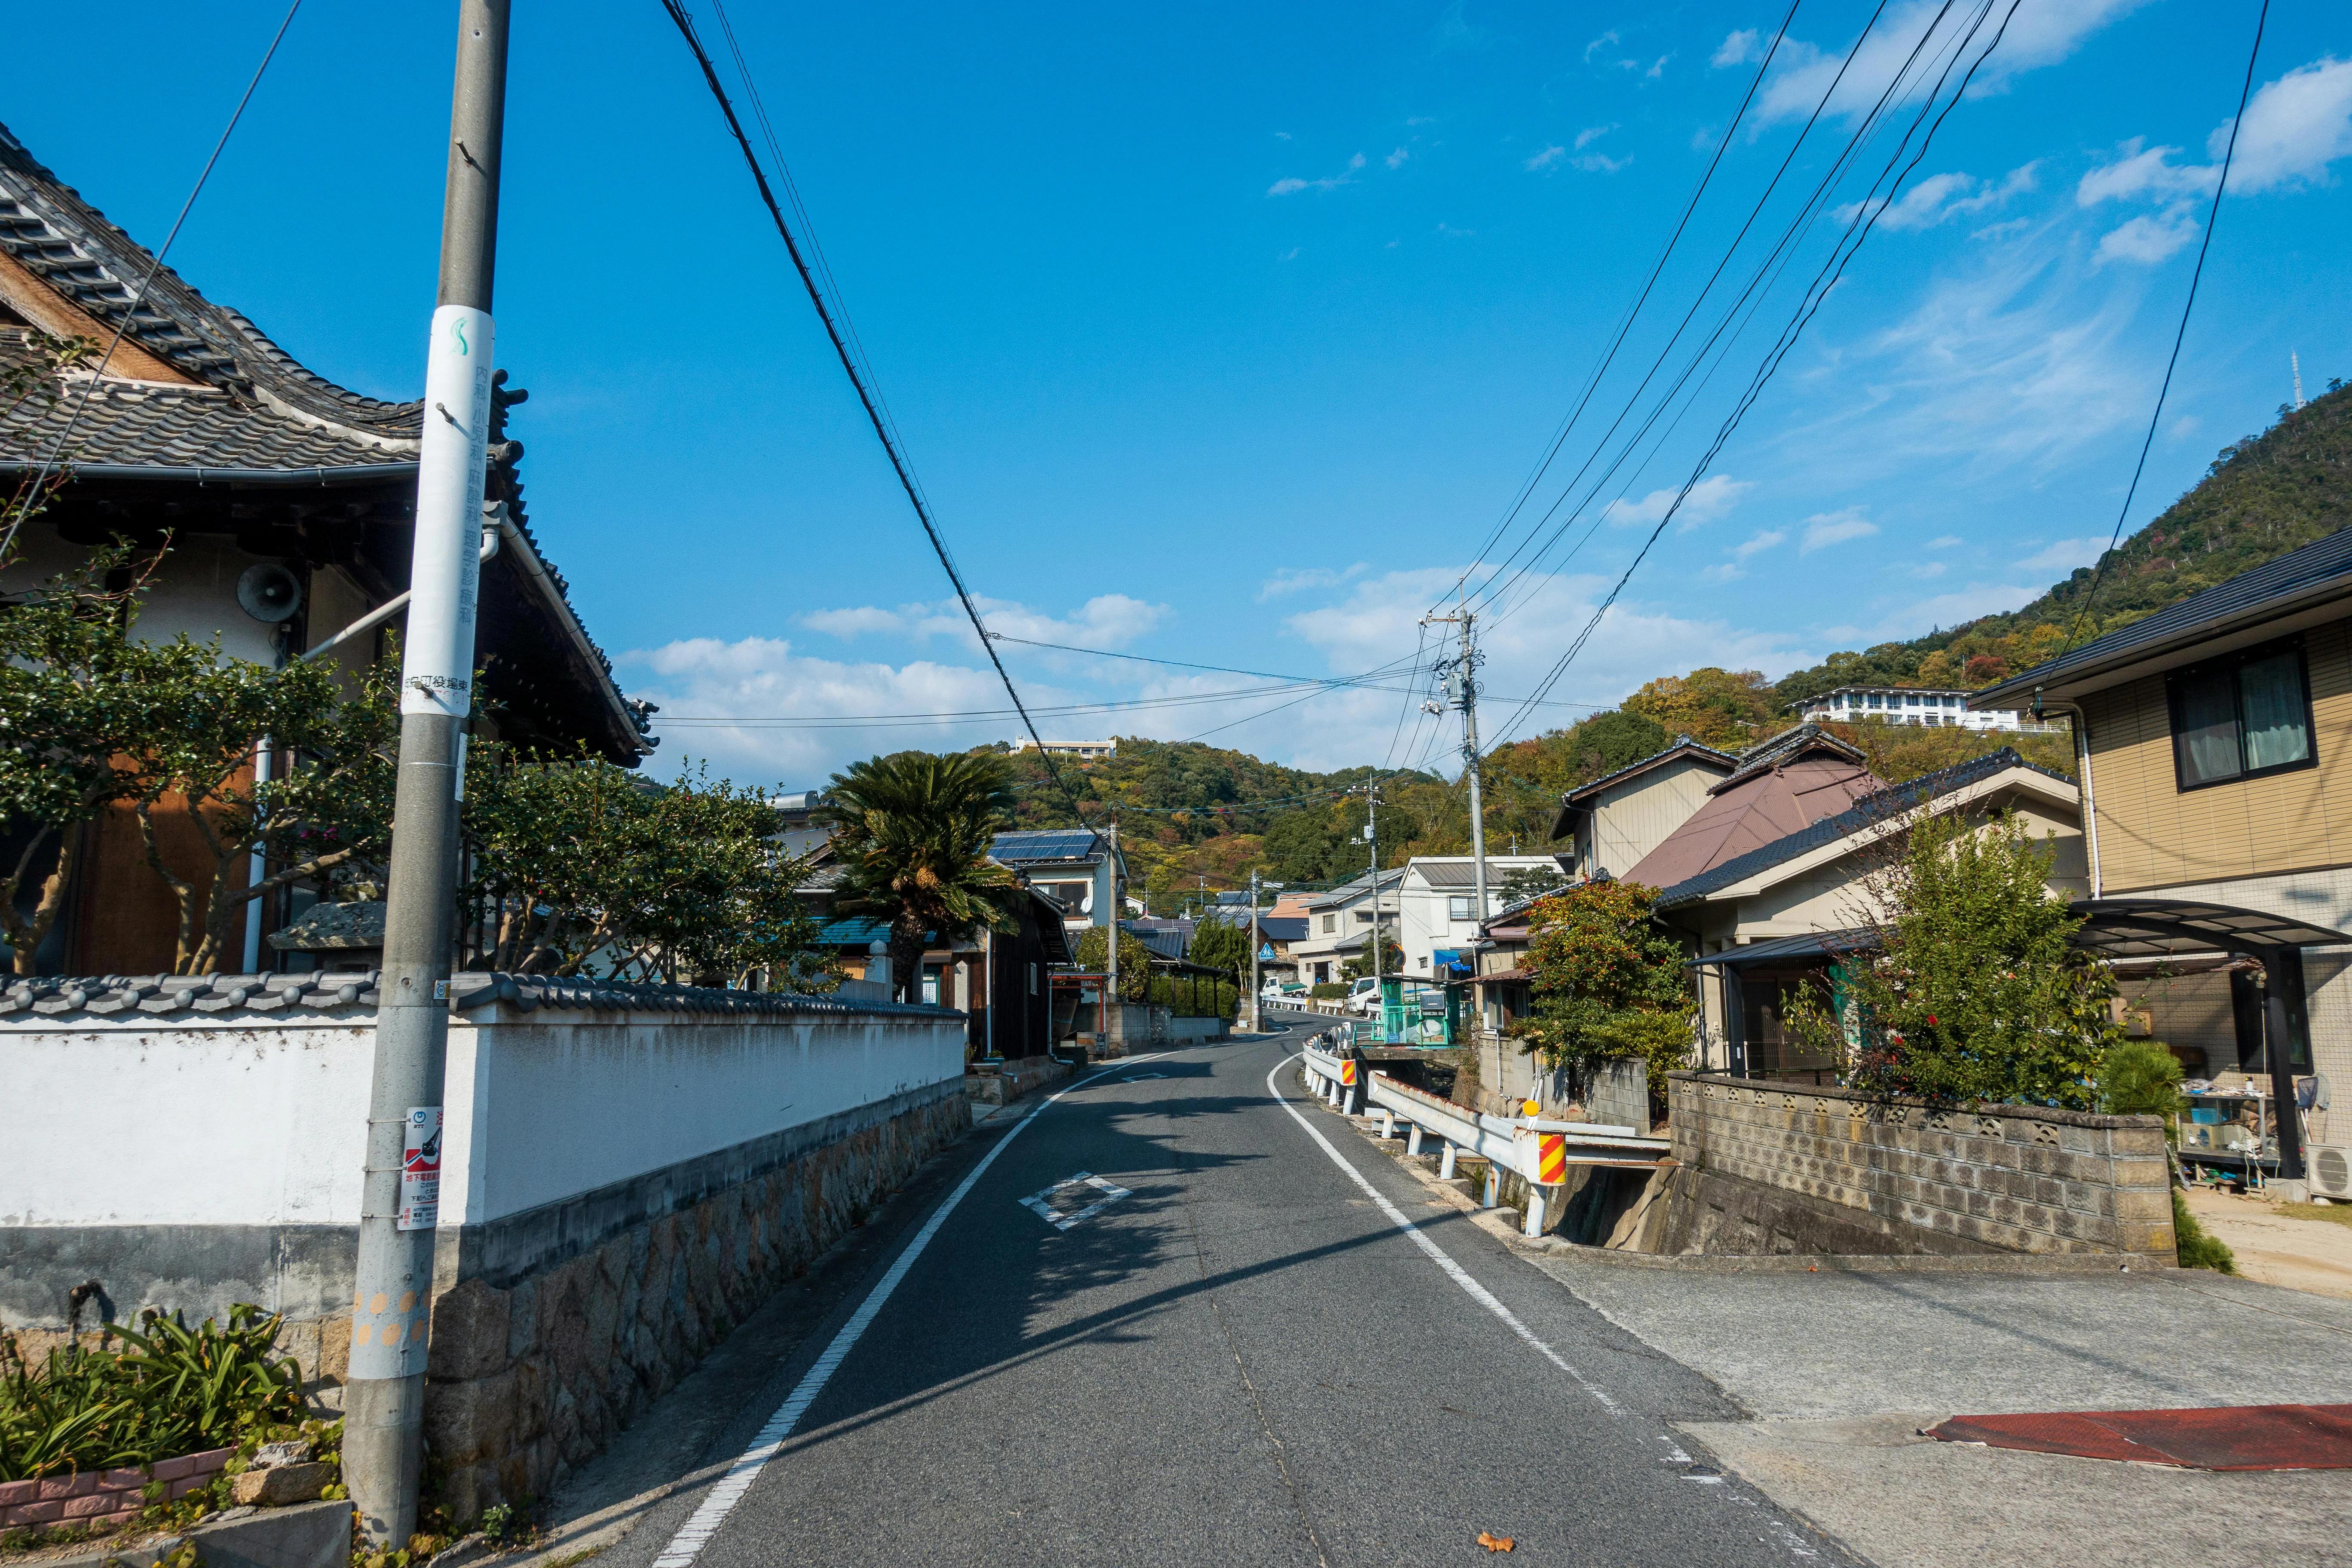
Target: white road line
696	1533
1454	1271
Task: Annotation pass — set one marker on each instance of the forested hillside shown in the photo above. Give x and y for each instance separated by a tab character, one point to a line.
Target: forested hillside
2262	497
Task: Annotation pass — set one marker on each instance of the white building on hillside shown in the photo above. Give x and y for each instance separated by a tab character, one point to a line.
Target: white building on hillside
1906	705
1085	750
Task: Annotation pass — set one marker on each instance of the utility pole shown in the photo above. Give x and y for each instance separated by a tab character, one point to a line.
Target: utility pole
1372	838
1462	691
1110	869
384	1398
1257	1015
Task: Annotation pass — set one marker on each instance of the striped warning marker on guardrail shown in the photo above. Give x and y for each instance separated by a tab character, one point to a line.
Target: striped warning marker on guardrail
1551	1159
1347	1074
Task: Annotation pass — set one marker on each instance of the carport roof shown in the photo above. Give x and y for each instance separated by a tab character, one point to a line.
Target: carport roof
2112	928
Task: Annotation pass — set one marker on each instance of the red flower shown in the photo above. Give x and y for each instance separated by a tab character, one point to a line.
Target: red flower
1931	1020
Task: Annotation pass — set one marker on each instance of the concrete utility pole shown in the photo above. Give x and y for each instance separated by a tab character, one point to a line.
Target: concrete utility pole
1257	1015
1372	838
384	1399
1110	869
1462	691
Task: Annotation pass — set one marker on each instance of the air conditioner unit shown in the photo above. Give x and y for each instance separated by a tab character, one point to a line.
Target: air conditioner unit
2331	1172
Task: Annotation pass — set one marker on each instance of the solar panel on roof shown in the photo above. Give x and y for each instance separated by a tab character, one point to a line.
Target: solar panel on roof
1058	845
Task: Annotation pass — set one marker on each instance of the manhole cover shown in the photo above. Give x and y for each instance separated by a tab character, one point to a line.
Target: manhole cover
1076	1198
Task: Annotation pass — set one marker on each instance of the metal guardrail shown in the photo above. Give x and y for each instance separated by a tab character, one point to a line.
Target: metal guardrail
1537	1150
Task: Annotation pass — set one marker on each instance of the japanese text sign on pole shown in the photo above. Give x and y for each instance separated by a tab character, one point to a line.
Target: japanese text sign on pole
420	1169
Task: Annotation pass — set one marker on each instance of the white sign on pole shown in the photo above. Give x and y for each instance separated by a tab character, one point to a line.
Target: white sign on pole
420	1169
436	672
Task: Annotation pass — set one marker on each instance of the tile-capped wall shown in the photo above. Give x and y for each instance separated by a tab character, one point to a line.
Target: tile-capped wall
2004	1178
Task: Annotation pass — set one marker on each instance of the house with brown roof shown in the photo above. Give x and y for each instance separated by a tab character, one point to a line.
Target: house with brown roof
198	428
1614	821
1776	787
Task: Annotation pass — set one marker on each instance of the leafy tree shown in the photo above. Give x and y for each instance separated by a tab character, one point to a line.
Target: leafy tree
1216	945
1608	983
1134	961
1974	991
914	830
2140	1078
1722	707
1391	958
77	693
582	867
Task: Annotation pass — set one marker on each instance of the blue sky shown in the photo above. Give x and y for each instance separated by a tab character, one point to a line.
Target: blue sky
1227	335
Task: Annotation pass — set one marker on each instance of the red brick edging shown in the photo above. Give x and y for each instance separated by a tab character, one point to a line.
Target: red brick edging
90	1497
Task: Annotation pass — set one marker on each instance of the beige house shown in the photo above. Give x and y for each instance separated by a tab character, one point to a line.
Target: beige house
1615	820
1769	917
2215	741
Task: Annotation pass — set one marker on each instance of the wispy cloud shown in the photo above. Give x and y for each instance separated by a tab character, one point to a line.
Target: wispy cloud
2063	557
1659	68
1941	196
2150	239
1601	164
1709	499
1105	620
1928	568
1290	580
1545	159
1396	159
2295	127
1591	133
1945	541
1825	529
2037	35
1738	48
2138	171
1603	42
1292	186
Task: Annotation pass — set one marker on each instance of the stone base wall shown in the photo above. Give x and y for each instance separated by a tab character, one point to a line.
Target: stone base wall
529	1382
2003	1178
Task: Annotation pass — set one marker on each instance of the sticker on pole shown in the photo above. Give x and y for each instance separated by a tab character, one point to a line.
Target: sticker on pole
420	1169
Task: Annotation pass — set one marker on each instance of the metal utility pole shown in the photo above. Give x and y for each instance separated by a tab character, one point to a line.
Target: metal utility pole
1462	691
384	1399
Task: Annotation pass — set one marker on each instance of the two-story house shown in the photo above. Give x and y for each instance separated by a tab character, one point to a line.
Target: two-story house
2214	743
1437	907
1612	823
1339	924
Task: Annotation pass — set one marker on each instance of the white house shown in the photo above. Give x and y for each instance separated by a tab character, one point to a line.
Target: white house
1437	904
1339	923
1072	866
1906	705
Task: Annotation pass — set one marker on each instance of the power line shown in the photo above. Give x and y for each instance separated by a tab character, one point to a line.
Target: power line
2091	595
1865	219
1592	382
139	296
866	396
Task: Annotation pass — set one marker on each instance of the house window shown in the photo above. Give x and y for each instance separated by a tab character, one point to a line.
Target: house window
2241	718
1330	924
1457	907
1876	700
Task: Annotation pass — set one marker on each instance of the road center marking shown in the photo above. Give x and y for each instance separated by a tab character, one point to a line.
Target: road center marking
1064	1204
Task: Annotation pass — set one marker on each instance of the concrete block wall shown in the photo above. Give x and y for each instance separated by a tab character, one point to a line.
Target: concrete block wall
2003	1178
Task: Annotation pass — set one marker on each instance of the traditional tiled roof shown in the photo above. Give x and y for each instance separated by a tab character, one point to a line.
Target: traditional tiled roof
1872	810
46	228
199	996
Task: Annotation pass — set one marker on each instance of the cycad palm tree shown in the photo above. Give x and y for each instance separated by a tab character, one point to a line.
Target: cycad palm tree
915	833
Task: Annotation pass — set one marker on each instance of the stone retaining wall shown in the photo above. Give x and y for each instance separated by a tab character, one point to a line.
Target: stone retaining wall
1999	1178
529	1382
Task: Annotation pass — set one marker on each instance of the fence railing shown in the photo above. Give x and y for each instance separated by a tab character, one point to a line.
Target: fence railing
1537	1150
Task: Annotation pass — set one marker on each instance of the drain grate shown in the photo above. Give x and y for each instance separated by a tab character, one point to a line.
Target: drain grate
2232	1438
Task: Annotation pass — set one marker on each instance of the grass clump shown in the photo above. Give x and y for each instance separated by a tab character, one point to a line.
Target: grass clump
2198	1247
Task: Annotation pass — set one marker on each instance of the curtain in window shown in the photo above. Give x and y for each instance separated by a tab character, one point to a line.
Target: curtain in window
2208	737
2272	692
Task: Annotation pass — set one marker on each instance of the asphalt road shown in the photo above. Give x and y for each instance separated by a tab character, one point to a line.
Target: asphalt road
1244	1360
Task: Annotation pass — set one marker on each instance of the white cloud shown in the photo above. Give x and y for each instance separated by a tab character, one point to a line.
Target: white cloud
1284	135
1709	499
1298	579
1290	255
1723	572
1591	133
1941	196
1759	542
861	621
2150	239
2040	33
1545	159
1106	620
1825	529
1738	48
1601	164
1953	608
1396	159
1606	38
1945	541
1659	69
2063	557
2294	128
1291	184
1928	568
2140	171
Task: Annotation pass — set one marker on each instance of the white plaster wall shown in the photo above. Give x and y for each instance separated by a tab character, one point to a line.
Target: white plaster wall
143	1122
150	1123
